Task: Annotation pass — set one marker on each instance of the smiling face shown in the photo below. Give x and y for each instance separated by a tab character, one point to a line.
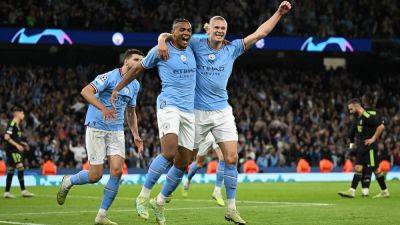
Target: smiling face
181	34
217	29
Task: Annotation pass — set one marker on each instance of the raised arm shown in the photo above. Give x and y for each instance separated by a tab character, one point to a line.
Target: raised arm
131	118
268	25
162	49
128	77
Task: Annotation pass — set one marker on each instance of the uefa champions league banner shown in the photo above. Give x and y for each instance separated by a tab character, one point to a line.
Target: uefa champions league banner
138	179
105	38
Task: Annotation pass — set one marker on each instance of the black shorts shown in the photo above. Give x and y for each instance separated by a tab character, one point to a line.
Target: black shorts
367	156
14	158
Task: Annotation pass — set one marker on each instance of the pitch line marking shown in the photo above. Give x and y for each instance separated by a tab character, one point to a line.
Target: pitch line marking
206	200
132	210
18	223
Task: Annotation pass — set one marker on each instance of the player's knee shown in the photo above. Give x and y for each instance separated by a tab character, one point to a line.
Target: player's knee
358	169
116	172
95	177
231	158
169	154
378	173
10	170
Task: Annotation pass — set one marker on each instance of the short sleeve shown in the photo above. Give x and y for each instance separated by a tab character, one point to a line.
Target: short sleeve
101	82
132	102
151	59
194	42
371	119
238	45
10	128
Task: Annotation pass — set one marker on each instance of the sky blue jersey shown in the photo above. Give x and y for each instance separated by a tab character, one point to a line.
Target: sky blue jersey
104	84
214	67
178	77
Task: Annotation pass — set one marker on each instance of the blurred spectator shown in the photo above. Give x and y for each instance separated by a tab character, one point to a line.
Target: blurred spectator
48	167
384	166
325	166
250	166
303	166
348	166
212	166
124	168
79	152
308	18
283	115
85	165
3	167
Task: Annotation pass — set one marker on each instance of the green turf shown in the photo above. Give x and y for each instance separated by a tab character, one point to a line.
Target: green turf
259	204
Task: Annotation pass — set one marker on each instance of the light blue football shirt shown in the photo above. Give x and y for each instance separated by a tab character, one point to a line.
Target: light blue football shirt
214	67
178	77
104	84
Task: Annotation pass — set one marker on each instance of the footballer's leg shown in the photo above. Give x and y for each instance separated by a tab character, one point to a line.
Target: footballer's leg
229	149
193	168
182	159
110	190
356	179
168	126
217	195
380	177
96	149
366	180
10	175
173	179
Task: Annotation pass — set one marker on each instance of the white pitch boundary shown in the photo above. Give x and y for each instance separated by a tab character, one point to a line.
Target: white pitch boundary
19	223
132	210
206	200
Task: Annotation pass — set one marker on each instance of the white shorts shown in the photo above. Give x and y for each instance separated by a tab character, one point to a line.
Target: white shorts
102	143
172	120
206	145
221	123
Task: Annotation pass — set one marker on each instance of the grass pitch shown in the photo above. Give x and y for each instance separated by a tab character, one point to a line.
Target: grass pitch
258	203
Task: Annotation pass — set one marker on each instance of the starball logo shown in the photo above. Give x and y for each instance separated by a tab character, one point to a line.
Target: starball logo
22	38
310	46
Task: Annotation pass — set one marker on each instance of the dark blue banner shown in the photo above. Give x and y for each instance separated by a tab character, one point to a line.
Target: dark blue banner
105	38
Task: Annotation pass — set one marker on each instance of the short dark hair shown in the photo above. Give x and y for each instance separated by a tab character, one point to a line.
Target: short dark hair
128	53
179	20
369	100
354	101
17	109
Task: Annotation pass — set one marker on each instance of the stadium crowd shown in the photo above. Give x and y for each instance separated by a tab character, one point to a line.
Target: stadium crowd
364	18
284	114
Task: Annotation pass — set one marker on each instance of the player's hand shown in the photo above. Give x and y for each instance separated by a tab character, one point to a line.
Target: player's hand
20	147
108	114
114	98
139	143
370	141
26	146
284	7
162	50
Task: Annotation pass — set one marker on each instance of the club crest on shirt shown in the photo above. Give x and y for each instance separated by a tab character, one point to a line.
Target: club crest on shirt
102	78
211	57
183	58
163	103
166	126
125	91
